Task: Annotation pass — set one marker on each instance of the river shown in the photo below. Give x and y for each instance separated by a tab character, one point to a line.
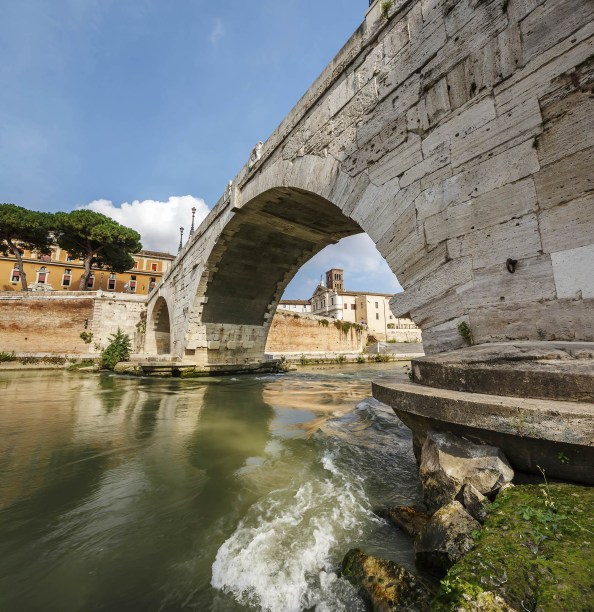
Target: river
218	494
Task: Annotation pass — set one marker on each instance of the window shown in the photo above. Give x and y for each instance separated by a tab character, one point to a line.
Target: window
377	315
132	284
69	257
111	282
91	281
135	266
42	275
154	267
152	283
346	306
353	306
45	258
377	304
391	317
66	277
332	301
15	275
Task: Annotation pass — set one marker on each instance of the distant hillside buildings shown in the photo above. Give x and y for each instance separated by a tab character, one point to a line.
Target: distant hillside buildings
331	300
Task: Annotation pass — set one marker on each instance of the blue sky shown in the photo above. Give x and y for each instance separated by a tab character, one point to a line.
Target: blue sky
156	104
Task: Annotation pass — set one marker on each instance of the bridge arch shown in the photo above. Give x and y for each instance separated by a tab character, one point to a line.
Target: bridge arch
159	328
453	174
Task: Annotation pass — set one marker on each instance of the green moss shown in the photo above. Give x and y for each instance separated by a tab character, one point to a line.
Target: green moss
535	552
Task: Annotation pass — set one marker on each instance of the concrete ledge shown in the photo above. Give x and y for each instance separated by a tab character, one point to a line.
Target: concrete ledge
555	435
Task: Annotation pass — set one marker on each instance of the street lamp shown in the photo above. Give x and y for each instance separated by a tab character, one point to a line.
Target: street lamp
193	215
181	237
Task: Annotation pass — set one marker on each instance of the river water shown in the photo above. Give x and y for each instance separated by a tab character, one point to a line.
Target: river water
221	494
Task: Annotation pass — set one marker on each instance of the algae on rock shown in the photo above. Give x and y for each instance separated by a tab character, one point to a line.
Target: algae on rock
535	552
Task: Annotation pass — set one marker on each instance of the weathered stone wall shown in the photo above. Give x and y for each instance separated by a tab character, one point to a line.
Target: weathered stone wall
459	135
119	310
292	333
32	323
52	323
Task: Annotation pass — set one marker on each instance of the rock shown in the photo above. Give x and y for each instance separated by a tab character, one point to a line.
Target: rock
125	367
446	538
475	503
385	585
407	519
449	462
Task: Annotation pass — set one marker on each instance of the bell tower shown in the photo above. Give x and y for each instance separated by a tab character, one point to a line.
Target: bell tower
334	279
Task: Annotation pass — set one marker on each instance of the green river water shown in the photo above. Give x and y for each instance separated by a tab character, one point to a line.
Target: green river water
222	494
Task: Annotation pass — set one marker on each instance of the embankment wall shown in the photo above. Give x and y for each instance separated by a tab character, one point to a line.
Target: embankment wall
42	323
291	333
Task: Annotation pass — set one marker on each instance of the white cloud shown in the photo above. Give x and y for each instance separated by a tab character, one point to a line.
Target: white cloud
157	222
364	268
217	31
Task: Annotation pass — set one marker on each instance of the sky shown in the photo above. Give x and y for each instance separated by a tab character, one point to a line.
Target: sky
142	109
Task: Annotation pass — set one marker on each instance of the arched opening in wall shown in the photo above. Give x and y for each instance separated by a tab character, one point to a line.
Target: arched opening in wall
162	327
262	248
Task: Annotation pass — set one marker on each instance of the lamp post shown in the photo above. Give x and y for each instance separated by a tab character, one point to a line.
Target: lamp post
181	237
193	215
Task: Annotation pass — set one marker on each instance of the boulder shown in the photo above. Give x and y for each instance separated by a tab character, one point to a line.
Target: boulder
385	585
448	462
446	538
407	519
475	503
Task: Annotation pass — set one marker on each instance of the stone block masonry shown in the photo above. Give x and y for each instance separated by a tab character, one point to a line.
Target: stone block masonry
458	134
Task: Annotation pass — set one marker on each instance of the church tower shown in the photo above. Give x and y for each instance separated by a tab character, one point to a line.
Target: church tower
334	279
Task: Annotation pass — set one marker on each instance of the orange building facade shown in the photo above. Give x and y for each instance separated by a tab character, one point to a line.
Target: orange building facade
61	272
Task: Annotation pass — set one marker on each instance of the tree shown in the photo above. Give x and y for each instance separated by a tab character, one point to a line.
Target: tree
97	240
23	228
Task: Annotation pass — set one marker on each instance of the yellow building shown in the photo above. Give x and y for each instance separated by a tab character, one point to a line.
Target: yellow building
61	272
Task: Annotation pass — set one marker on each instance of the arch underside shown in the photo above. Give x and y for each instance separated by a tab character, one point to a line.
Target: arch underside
262	248
162	327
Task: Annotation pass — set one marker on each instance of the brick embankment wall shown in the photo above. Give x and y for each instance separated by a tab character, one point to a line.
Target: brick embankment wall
292	333
52	323
31	323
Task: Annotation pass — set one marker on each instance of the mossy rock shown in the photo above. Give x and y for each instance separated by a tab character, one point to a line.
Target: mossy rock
535	552
385	585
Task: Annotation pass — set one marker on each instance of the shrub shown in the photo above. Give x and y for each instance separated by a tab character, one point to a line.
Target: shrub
466	333
7	356
86	337
117	350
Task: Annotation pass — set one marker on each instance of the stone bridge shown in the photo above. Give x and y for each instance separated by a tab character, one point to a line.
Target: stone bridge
459	135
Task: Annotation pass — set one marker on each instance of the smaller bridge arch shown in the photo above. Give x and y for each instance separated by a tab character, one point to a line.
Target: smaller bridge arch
158	336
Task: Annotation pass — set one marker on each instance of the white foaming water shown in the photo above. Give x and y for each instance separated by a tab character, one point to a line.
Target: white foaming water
280	557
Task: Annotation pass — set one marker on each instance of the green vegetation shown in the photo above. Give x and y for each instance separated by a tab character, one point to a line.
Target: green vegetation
346	326
86	337
7	356
380	358
117	350
466	333
85	363
385	7
323	322
94	238
21	228
535	551
97	240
